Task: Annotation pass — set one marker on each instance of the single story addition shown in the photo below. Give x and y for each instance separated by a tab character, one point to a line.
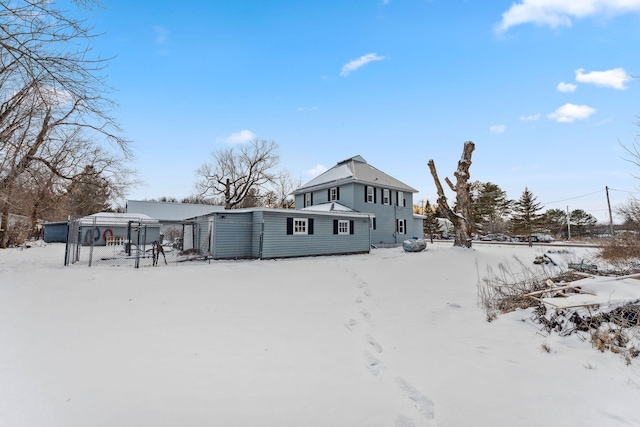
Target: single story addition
265	233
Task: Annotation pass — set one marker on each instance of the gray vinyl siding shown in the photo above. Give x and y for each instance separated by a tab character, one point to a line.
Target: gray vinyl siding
386	215
352	195
418	228
263	234
346	196
256	234
232	235
278	244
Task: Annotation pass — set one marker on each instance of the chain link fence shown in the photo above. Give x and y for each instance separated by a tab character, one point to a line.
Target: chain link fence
135	243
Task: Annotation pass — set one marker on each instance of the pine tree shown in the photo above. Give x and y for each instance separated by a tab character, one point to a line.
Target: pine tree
490	205
525	218
430	224
582	222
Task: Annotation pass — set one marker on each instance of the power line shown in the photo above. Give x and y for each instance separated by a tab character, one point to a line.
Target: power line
573	198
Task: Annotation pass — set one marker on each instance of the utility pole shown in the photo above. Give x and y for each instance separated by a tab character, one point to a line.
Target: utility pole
610	217
568	224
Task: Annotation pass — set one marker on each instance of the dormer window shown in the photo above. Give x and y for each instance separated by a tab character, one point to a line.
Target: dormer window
308	199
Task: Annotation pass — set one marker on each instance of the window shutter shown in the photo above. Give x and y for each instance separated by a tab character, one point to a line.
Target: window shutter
374	222
335	226
366	190
404	203
397	198
328	194
405	226
351	227
397	226
310	225
375	194
289	225
338	193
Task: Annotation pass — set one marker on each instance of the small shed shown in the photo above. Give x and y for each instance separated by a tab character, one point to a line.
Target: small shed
55	232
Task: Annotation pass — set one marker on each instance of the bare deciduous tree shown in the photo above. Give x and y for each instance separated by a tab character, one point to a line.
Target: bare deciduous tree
239	172
462	217
279	196
53	110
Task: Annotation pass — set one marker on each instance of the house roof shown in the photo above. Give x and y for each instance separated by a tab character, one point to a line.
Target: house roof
170	211
116	218
354	169
339	210
328	207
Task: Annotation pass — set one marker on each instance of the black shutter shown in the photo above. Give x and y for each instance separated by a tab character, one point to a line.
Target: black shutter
397	198
405	226
335	226
366	191
374	222
310	225
337	193
397	225
328	195
404	203
311	199
289	225
375	194
351	227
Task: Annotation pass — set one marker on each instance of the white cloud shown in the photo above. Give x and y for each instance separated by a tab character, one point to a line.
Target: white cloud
569	113
362	61
555	13
567	87
316	170
530	118
162	34
240	137
615	78
498	129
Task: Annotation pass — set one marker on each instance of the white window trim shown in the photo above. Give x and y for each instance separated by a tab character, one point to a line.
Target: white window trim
401	229
333	191
343	226
300	226
386	196
400	198
307	199
370	195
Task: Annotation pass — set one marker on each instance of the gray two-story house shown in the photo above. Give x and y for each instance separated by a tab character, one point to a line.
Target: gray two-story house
361	187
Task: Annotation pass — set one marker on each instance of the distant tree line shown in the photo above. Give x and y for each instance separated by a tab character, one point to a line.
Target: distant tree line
495	213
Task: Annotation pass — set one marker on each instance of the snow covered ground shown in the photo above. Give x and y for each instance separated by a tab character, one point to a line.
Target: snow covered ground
385	339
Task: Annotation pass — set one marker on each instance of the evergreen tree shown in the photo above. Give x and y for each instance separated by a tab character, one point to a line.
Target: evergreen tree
490	205
525	219
555	220
430	224
582	222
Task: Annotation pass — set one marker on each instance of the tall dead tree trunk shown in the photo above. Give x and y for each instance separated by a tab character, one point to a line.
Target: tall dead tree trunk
462	217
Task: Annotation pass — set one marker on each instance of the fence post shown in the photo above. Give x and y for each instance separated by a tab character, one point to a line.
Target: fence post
137	263
93	240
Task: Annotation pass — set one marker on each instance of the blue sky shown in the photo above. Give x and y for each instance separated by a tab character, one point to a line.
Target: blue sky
545	89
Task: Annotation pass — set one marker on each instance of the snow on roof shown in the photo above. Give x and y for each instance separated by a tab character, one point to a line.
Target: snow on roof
355	169
328	207
110	218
